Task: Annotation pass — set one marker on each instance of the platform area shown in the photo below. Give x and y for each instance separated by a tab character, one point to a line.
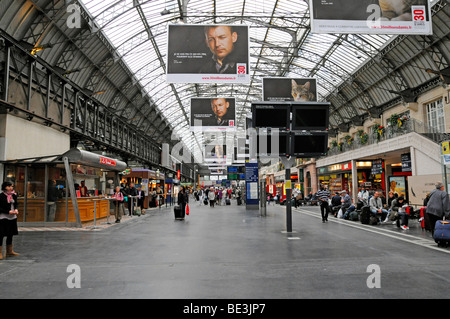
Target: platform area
228	252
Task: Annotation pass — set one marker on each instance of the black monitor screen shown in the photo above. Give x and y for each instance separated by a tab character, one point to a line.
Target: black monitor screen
271	115
282	142
309	145
310	116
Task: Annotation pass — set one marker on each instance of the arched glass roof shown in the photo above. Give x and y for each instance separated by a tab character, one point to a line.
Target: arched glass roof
281	45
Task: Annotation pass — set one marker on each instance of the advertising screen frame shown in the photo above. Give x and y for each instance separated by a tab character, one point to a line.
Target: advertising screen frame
279	89
201	110
188	55
367	17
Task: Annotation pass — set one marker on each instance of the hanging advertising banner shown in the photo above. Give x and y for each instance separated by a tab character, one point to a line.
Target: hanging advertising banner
371	16
216	154
289	89
212	114
211	53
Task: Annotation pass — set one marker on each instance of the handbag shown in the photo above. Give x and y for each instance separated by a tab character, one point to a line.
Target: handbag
187	209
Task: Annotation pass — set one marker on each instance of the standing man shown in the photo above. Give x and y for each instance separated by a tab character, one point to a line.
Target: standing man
140	199
438	205
131	192
52	197
323	195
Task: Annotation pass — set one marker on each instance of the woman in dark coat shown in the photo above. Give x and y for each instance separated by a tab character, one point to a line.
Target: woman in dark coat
182	201
8	217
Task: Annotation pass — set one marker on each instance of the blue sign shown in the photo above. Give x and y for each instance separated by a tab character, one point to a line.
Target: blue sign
251	183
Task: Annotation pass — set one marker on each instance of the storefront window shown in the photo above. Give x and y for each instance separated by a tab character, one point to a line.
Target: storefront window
35	194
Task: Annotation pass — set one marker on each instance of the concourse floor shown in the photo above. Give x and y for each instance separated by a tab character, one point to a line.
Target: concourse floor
228	252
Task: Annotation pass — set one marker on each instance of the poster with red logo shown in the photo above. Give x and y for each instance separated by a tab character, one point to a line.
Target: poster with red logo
213	114
214	53
371	16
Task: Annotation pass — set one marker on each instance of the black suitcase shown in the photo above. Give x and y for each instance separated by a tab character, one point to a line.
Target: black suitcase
239	201
177	212
205	201
227	202
365	215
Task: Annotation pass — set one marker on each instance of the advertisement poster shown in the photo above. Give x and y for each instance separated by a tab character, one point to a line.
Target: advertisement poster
419	186
397	184
371	16
242	148
289	89
208	53
213	114
216	154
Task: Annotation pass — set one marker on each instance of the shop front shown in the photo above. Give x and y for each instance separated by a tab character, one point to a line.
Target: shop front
64	189
338	177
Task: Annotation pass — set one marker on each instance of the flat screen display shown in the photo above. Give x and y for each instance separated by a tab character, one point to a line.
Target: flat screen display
310	116
309	145
266	145
271	115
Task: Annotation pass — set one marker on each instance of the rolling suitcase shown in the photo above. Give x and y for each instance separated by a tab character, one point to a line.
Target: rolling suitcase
177	212
227	202
239	201
365	215
205	201
442	232
424	221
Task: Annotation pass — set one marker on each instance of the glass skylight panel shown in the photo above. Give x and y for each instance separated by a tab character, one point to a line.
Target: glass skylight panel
320	55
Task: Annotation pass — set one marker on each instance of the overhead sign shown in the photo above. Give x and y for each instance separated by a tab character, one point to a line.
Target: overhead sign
213	53
371	16
107	161
446	152
289	89
218	113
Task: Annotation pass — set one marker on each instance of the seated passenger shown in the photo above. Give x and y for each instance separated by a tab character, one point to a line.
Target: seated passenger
335	204
376	207
398	210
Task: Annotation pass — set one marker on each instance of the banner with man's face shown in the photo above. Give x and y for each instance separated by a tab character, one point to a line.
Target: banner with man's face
289	89
215	153
371	16
208	54
213	114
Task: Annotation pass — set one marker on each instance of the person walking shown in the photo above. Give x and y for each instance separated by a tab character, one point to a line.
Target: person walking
8	218
131	193
438	205
323	195
182	201
118	204
211	197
